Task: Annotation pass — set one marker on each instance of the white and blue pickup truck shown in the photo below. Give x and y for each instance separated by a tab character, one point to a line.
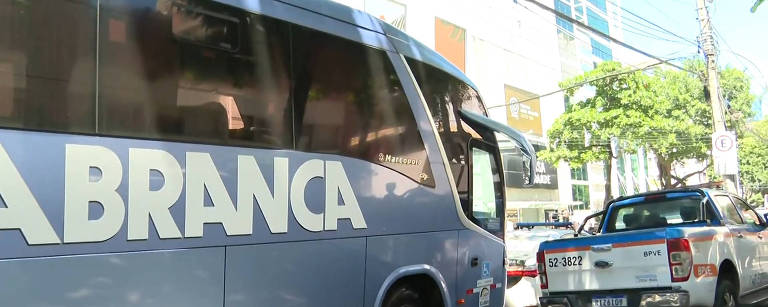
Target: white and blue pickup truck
687	247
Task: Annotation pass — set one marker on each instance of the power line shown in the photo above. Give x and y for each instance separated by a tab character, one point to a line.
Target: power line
658	26
586	82
649	25
653	31
646	31
569	32
559	14
652	36
603	35
739	56
565	31
658	10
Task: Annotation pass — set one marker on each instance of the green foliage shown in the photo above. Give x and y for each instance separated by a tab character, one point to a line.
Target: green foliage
678	123
754	6
666	112
735	85
756	200
612	111
753	158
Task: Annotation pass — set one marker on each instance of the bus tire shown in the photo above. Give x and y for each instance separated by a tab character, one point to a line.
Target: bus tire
726	294
403	295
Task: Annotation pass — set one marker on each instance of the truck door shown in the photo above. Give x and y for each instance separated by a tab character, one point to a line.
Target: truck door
756	230
745	243
481	271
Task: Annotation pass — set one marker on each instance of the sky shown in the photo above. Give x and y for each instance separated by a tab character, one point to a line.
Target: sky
742	36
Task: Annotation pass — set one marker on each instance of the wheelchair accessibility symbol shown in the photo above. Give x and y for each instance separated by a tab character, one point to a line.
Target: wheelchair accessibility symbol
486	270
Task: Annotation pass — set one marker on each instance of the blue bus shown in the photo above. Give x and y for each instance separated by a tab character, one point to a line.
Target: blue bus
241	153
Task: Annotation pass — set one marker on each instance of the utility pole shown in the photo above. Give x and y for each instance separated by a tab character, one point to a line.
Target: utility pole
707	44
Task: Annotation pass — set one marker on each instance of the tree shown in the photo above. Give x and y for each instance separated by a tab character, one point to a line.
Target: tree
753	161
582	134
666	112
754	6
677	126
735	88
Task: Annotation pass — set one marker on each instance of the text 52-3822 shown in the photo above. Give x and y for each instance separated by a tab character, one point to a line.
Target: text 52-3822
565	261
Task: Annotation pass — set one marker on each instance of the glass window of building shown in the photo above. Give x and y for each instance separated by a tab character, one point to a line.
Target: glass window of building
580	193
580	173
564	8
599	4
601	51
597	21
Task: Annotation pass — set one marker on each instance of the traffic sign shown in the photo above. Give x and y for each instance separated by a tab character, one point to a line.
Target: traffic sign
724	153
724	142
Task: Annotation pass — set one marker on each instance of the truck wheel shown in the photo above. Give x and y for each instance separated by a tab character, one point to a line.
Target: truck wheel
726	295
403	296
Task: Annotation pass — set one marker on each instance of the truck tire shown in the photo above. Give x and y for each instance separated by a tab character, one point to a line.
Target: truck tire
403	296
726	294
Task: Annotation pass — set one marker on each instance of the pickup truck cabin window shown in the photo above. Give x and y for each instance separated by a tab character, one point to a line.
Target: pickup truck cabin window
654	213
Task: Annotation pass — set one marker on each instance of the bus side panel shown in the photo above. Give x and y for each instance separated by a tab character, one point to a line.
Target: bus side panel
388	253
192	277
311	273
389	203
487	271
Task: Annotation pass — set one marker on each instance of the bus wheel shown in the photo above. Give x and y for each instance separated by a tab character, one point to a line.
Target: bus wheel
403	296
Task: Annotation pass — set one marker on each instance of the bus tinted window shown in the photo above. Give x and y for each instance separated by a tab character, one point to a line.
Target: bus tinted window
445	96
349	101
47	58
164	74
200	26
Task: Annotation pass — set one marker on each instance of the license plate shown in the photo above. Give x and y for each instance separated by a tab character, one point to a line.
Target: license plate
609	301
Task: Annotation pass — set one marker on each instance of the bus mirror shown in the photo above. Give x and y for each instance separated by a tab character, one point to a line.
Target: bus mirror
529	154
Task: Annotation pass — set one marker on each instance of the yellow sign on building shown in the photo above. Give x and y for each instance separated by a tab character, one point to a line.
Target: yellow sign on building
523	112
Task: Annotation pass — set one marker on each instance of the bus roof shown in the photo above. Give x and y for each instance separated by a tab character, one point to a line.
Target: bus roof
411	47
403	43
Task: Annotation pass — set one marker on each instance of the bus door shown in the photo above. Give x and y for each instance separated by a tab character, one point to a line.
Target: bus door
481	271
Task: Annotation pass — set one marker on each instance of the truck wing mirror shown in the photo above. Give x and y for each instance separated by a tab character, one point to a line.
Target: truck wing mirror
529	154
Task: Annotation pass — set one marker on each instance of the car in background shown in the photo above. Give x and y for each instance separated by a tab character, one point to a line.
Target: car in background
522	244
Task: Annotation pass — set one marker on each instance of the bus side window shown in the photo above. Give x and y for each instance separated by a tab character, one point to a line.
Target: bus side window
348	100
47	65
194	70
